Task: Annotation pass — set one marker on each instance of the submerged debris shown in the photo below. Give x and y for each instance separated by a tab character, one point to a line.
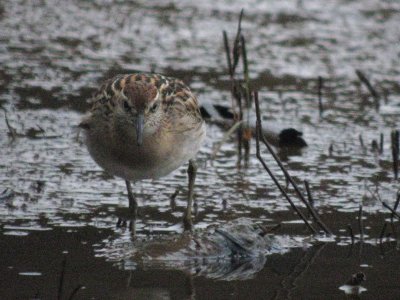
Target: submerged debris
357	279
234	251
7	194
353	285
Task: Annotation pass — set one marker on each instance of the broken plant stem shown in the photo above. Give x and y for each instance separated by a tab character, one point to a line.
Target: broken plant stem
350	229
75	291
246	73
236	48
228	53
320	85
61	280
11	130
396	204
394	213
382	232
290	179
360	222
258	133
369	86
395	152
310	197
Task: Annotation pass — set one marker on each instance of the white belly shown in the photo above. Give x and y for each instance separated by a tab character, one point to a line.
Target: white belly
157	157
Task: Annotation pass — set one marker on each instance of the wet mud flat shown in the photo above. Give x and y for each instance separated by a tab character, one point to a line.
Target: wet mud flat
57	205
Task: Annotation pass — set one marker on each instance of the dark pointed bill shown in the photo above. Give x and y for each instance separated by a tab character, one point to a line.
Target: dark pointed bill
139	128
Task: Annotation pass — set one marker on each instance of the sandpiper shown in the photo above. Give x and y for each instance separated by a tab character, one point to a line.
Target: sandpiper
144	126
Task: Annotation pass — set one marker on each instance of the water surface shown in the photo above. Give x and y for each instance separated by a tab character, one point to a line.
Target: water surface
54	54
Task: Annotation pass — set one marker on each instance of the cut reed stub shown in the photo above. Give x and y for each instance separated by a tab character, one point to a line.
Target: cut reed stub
320	86
395	152
370	88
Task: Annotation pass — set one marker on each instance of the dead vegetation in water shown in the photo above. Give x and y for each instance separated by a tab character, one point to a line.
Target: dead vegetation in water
32	132
60	290
370	88
241	89
259	136
242	98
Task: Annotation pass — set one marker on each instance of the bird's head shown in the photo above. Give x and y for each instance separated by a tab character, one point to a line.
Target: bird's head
142	105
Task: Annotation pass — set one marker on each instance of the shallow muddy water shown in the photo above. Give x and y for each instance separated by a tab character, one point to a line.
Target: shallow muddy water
57	204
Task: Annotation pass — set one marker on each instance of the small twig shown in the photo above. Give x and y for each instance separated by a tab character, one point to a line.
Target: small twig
245	72
11	130
396	204
309	195
381	144
231	71
173	197
360	222
61	280
76	290
394	213
258	133
320	86
301	196
350	229
368	84
228	53
374	194
382	232
195	208
395	152
394	231
246	133
236	48
240	131
361	141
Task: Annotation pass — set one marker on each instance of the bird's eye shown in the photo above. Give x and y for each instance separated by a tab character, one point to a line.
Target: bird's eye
153	108
126	106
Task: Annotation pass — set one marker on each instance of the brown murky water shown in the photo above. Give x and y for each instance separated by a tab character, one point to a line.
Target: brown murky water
58	203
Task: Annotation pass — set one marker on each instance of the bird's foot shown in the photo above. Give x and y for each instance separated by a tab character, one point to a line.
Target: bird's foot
187	222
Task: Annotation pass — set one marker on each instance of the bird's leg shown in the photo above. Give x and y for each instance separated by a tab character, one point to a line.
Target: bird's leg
132	226
132	201
187	218
133	206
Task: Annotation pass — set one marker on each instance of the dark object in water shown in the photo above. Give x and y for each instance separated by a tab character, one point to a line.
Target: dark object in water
357	279
353	286
275	134
224	111
216	111
291	137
